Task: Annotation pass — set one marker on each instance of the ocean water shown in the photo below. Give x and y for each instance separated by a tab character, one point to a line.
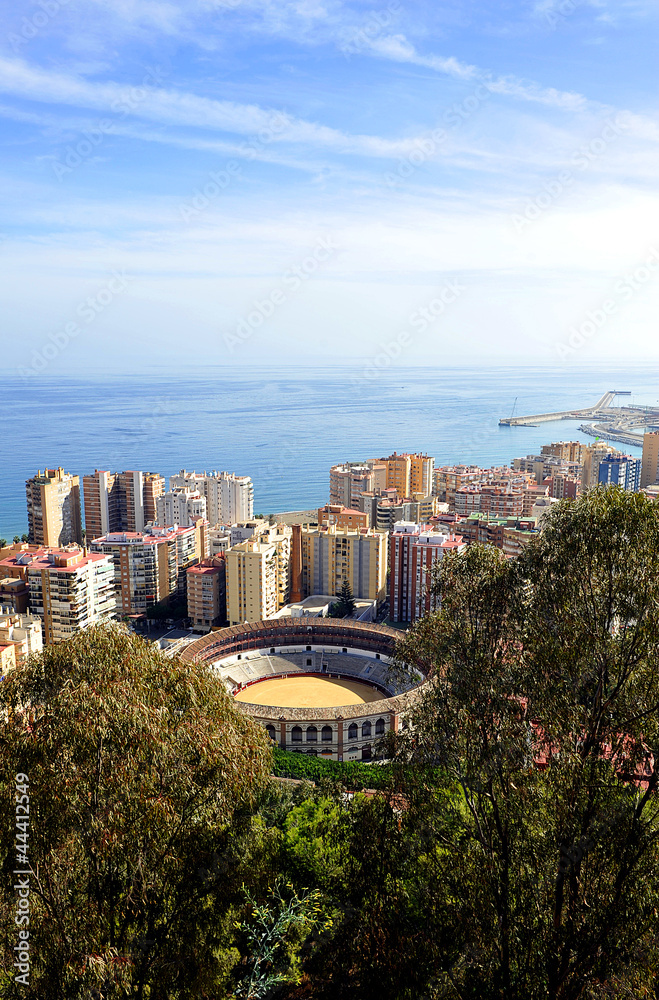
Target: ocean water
285	427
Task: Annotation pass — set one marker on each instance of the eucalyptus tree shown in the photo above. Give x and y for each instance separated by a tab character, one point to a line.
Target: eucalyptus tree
543	714
142	778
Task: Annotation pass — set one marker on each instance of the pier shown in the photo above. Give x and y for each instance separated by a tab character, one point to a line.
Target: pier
602	419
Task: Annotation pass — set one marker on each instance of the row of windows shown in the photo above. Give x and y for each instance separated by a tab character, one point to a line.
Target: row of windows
326	732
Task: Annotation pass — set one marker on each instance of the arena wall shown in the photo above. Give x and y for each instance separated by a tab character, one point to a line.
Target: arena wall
347	732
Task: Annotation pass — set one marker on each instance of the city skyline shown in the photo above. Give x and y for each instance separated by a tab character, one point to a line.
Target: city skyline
316	180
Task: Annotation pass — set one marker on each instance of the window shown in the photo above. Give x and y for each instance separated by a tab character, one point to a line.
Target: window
366	753
312	734
296	734
309	662
352	731
326	734
366	729
308	649
270	730
379	727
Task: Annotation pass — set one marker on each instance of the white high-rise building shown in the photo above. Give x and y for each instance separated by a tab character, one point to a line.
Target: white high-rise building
229	498
180	507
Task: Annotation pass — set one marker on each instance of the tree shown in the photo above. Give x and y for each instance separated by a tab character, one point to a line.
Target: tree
3	543
17	539
142	778
543	709
345	606
25	538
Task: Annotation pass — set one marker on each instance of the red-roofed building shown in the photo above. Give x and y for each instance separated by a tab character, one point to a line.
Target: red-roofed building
342	517
151	565
70	589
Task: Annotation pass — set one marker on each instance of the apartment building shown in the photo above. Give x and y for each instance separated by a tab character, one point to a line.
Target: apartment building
22	631
347	482
342	517
497	500
180	507
53	508
153	486
229	498
413	552
207	593
592	455
566	451
119	501
14	594
620	470
331	555
150	566
70	589
650	460
258	576
408	473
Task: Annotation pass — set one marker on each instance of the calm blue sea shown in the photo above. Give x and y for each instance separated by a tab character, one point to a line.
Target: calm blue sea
285	427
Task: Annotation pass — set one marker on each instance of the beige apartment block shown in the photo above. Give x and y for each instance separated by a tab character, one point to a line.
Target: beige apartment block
349	481
650	461
70	589
252	581
23	631
332	556
567	451
53	508
258	574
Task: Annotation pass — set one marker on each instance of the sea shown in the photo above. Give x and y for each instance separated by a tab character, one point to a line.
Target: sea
285	426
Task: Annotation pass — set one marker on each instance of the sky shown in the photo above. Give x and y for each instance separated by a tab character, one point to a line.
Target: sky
365	183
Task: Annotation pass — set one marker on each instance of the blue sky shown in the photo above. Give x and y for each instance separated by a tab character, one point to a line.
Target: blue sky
252	181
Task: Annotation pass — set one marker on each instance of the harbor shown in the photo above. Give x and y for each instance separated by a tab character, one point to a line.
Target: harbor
615	423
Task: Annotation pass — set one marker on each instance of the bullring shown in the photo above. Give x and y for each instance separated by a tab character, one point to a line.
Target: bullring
352	654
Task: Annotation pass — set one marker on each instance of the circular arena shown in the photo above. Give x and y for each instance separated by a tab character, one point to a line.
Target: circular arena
320	686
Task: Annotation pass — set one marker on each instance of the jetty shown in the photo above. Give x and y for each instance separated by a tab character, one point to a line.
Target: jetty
604	420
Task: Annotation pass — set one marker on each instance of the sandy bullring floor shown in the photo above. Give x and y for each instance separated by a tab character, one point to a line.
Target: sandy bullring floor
309	692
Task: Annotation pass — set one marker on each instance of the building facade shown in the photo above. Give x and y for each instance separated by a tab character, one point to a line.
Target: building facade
53	508
650	460
413	552
22	631
620	470
258	578
229	498
180	507
70	589
150	566
332	556
207	593
119	501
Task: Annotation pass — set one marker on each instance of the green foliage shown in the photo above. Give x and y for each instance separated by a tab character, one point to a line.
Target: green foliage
345	606
274	934
143	780
552	874
306	767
